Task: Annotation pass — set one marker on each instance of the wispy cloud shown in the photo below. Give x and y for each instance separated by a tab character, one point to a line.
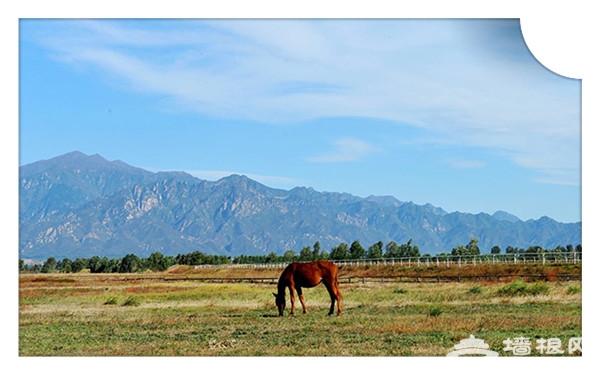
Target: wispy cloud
458	163
345	150
439	75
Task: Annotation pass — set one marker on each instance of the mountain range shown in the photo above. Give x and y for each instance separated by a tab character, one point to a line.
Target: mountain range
78	205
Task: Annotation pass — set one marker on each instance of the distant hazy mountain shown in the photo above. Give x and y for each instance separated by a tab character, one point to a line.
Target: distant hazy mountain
76	205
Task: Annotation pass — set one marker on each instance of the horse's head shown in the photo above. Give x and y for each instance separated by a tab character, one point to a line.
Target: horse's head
280	302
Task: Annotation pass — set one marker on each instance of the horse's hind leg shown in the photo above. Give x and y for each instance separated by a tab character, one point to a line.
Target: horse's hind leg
335	295
299	290
338	295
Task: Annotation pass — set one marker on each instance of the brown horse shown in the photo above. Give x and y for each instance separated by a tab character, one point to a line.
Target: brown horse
308	275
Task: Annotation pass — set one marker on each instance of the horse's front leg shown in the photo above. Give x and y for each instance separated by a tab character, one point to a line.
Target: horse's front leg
292	299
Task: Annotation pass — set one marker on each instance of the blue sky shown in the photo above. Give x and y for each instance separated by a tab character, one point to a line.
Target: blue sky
456	113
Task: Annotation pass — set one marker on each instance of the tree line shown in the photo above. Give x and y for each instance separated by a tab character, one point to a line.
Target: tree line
355	251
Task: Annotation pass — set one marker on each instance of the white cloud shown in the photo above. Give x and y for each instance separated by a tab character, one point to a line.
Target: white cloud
345	150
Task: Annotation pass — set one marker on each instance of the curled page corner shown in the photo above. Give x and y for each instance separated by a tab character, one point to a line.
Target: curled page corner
557	41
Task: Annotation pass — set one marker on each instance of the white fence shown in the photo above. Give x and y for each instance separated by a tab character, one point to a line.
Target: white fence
436	261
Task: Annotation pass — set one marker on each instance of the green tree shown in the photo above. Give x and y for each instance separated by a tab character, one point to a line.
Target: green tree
357	251
129	263
95	264
375	251
316	255
324	255
289	255
392	250
409	250
339	252
496	250
78	265
471	249
460	250
271	258
158	262
306	253
66	266
473	246
534	250
49	266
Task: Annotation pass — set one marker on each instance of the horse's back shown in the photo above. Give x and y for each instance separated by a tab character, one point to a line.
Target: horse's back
328	268
309	274
322	267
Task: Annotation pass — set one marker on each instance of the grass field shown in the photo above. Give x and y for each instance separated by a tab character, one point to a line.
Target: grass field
105	315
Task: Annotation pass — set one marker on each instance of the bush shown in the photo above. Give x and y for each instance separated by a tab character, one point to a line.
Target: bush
516	288
520	288
538	288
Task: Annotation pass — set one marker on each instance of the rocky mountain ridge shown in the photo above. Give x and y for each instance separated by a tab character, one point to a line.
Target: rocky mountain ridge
77	205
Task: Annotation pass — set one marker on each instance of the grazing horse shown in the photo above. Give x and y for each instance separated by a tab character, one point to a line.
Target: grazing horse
308	275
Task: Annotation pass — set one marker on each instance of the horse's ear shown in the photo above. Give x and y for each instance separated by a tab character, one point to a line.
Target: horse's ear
275	295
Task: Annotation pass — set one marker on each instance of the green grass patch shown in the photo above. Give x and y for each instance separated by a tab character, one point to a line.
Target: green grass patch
435	311
574	289
520	288
476	289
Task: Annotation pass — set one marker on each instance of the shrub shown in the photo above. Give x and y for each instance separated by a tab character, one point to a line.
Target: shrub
400	291
538	288
515	288
520	288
